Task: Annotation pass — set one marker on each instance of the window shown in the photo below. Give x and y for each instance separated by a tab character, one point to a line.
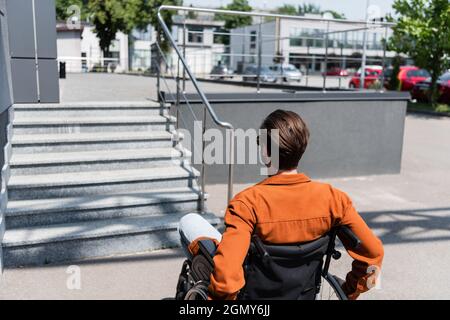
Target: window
295	37
144	35
253	40
418	73
141	60
195	34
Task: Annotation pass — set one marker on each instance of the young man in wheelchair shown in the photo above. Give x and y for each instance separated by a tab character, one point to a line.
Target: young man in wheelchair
278	231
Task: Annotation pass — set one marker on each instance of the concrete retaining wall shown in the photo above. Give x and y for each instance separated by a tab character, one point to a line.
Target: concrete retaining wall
352	133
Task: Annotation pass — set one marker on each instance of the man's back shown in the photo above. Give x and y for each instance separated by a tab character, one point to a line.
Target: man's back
289	209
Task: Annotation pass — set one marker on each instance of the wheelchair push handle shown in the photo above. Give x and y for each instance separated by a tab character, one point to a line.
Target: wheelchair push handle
349	237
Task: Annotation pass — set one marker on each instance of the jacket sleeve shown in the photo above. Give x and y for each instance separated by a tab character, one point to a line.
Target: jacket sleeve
228	276
367	257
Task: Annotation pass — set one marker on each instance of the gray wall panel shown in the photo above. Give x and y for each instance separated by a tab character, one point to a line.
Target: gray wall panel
21	29
46	29
48	81
5	103
348	138
5	94
23	74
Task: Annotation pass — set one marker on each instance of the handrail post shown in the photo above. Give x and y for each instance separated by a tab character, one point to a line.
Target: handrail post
158	69
231	167
258	85
384	59
326	59
184	53
203	169
178	94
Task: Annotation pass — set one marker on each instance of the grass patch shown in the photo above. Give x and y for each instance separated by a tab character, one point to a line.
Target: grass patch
421	106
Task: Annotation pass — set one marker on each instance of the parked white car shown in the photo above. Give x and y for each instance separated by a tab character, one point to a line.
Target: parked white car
286	72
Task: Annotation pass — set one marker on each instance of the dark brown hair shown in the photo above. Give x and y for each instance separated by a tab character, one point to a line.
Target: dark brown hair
293	137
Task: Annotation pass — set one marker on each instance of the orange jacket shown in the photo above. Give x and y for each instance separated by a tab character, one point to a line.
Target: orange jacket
286	209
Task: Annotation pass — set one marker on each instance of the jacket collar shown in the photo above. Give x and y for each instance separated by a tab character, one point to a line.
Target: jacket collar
281	179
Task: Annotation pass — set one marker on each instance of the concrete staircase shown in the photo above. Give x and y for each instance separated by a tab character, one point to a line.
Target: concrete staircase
95	179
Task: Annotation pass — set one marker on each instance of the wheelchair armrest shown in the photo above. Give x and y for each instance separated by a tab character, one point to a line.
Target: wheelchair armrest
208	248
347	234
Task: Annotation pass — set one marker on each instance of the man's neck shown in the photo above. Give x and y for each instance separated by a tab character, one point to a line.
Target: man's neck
287	172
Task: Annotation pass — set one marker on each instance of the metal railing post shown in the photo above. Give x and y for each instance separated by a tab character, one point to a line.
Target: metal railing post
178	94
307	65
158	71
324	88
384	59
184	54
258	85
231	167
203	169
364	56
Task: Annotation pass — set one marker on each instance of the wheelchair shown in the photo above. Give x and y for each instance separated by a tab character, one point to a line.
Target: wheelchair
275	272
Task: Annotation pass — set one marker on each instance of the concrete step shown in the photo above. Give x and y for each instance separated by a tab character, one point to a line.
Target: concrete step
92	124
77	241
28	213
76	184
87	109
70	142
102	160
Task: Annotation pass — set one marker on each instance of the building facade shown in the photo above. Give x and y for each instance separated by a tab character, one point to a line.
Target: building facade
195	36
79	48
302	43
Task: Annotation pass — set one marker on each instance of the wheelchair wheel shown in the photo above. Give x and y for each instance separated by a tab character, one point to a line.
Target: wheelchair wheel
198	292
330	289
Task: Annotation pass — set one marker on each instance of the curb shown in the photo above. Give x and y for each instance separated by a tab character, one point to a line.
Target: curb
428	113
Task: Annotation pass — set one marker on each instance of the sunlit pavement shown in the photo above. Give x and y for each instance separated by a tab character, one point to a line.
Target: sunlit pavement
409	211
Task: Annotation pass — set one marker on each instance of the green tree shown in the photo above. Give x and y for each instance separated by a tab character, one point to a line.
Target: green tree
423	33
63	12
108	19
167	16
112	16
335	14
309	8
236	21
287	9
192	14
394	82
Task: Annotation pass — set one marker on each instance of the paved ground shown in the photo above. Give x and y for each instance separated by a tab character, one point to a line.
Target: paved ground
85	87
409	211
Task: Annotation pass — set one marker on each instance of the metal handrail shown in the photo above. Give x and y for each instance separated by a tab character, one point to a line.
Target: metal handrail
274	15
207	105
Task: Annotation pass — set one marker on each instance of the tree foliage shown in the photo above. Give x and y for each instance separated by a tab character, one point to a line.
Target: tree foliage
112	16
63	12
287	9
307	8
423	33
236	21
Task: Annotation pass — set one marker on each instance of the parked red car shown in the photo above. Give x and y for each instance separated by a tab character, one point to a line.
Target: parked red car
408	76
372	75
421	90
337	72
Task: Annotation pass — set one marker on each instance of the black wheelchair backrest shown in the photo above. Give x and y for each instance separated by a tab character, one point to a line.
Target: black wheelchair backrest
302	251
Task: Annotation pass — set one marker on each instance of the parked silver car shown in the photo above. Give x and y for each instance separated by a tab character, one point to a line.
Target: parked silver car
221	72
251	74
286	72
